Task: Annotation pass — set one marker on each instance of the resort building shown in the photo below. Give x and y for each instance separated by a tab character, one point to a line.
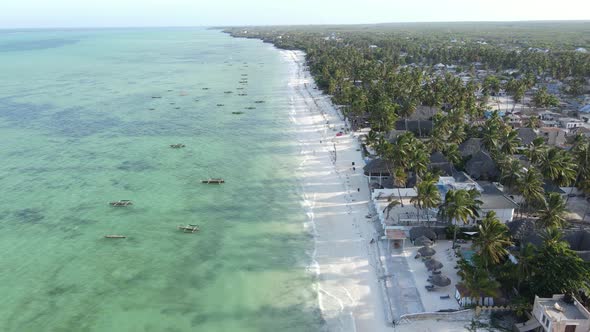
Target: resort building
403	215
559	313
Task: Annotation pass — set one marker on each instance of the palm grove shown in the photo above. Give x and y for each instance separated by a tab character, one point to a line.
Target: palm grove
381	75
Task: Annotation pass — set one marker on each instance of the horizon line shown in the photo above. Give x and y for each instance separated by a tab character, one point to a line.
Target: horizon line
288	25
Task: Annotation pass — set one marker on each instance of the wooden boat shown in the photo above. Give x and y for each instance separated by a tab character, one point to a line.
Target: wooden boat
189	228
156	97
259	102
228	92
123	202
242	94
250	108
237	112
177	146
205	88
213	181
220	105
114	236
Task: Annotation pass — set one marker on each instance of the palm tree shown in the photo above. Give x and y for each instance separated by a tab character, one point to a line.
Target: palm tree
460	205
552	213
392	203
558	165
530	186
533	122
372	138
552	236
509	141
418	159
536	150
526	256
427	197
452	153
581	152
477	280
492	240
511	172
400	177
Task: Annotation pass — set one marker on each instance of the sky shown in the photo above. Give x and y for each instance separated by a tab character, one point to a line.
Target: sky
140	13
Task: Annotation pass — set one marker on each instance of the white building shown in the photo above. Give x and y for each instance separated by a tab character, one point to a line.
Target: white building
570	123
557	314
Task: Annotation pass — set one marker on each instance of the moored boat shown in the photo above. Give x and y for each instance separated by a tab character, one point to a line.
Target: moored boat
213	181
122	202
115	236
189	228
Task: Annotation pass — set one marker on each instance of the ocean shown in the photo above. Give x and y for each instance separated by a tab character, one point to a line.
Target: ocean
87	117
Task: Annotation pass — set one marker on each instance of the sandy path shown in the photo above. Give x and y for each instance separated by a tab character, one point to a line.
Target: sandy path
335	198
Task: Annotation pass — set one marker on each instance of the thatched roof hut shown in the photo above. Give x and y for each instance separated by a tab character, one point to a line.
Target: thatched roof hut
419	231
440	280
426	251
433	264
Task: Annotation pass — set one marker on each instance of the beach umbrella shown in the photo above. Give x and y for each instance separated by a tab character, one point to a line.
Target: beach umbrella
419	231
423	241
440	280
433	264
426	251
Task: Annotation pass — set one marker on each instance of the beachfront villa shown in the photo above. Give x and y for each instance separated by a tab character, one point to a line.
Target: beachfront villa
559	313
405	215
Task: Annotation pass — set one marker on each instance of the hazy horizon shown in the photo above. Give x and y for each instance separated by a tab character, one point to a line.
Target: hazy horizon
186	13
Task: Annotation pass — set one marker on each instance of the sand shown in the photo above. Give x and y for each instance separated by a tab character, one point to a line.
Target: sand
336	200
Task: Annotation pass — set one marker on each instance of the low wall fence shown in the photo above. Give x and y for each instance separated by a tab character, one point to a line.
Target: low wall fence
461	315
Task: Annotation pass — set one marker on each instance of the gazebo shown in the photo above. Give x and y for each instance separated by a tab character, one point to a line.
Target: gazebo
397	236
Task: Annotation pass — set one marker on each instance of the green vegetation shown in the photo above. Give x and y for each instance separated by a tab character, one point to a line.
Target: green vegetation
447	73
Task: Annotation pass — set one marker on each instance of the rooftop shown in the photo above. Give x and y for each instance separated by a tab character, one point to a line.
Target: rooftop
566	311
493	198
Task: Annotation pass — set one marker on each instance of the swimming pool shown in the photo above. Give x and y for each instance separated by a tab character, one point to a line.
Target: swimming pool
468	255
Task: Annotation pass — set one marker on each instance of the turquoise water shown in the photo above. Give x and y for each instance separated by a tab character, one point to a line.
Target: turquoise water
468	254
79	128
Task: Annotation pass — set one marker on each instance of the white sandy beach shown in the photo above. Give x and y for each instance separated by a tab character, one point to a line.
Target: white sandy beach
348	289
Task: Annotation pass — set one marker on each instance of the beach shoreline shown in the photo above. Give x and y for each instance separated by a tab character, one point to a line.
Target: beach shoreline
335	195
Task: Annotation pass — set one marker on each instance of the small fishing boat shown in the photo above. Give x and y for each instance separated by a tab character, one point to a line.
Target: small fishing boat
220	105
239	88
237	112
228	92
213	181
115	236
177	146
259	102
250	108
188	228
205	88
123	202
156	97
